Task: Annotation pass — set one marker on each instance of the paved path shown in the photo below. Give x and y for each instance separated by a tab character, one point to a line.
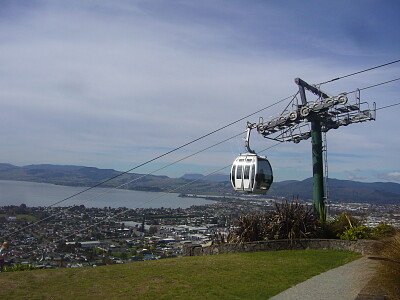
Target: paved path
343	283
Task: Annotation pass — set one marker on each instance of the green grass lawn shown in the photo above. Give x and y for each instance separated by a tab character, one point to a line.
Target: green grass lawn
232	276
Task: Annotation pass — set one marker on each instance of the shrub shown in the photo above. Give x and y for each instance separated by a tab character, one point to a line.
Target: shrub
339	224
356	233
383	230
288	221
248	228
293	221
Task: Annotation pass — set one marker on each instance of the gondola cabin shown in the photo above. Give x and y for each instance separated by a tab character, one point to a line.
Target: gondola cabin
251	173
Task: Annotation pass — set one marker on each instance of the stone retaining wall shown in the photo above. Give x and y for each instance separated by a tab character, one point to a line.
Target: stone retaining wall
362	246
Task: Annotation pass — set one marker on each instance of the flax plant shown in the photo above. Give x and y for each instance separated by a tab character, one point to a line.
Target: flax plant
288	221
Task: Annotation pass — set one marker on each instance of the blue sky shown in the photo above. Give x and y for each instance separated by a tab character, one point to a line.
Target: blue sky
112	84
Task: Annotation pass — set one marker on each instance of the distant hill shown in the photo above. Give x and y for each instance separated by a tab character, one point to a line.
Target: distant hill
214	177
90	176
341	191
6	167
53	167
217	184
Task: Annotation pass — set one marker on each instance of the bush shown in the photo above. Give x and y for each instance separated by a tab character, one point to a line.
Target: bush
248	228
356	233
288	221
293	221
383	230
339	224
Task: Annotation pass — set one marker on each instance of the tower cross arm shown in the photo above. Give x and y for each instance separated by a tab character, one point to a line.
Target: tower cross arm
311	88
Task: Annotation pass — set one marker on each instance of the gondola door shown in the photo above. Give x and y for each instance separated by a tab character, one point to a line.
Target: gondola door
238	177
246	177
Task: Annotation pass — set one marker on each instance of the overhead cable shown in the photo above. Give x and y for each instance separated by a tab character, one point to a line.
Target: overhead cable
181	186
374	85
169	152
378	84
362	71
126	183
387	106
153	199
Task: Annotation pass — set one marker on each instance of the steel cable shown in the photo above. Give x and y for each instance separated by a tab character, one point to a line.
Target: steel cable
359	72
75	232
126	183
169	152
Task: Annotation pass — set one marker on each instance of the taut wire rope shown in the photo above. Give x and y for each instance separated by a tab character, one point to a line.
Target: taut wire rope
126	183
374	85
177	188
148	201
359	72
169	152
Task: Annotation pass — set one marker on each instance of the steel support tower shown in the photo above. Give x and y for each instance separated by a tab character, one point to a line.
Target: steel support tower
325	113
317	154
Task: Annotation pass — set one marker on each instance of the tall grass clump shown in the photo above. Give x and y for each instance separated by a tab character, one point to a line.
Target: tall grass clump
288	221
389	269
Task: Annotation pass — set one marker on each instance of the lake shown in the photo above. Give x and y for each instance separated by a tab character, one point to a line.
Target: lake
44	194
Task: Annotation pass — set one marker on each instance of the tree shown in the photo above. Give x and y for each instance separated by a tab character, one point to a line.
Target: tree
153	229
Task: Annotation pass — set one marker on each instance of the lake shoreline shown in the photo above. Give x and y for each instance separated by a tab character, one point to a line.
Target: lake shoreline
31	193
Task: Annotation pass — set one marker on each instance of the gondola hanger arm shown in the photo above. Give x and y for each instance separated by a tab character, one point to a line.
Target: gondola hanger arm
250	126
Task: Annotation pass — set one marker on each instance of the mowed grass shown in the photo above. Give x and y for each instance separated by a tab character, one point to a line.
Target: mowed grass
257	275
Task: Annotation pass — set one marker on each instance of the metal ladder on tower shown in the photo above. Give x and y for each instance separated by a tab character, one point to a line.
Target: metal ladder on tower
326	170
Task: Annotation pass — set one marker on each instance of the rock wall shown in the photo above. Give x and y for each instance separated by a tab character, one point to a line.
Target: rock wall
367	247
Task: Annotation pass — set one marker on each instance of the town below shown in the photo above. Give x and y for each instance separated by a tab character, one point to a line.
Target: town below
79	236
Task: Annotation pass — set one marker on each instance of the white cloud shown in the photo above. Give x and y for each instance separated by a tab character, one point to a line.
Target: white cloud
392	176
99	82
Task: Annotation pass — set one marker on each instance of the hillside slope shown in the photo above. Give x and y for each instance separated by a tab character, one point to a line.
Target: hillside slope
90	176
340	190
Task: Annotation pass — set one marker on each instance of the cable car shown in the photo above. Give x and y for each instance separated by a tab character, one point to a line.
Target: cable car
250	172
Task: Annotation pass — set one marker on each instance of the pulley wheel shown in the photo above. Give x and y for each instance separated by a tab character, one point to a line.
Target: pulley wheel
293	115
342	99
304	111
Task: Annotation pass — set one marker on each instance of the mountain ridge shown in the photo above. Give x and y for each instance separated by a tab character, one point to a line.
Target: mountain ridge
217	184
